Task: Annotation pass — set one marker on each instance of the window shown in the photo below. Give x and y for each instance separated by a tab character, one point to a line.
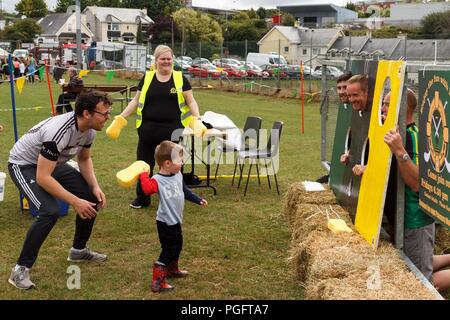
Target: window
286	49
305	52
88	25
315	50
113	26
113	39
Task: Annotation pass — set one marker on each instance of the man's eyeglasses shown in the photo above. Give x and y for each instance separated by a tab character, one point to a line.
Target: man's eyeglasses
105	114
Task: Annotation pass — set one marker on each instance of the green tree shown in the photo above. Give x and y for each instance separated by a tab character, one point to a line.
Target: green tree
139	33
25	30
436	25
261	12
198	26
32	8
287	19
155	8
62	5
351	6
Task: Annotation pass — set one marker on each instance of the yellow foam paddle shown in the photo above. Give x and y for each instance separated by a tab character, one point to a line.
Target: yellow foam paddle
198	127
129	176
116	126
338	225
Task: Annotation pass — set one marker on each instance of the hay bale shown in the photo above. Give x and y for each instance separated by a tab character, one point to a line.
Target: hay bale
393	285
298	195
338	266
442	243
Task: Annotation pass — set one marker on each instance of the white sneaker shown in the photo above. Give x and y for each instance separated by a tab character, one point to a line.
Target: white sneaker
85	255
20	278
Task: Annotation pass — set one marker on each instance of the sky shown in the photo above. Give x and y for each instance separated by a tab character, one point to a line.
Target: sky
8	5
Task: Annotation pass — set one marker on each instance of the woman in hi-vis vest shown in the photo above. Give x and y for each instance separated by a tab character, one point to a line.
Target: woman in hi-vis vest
164	103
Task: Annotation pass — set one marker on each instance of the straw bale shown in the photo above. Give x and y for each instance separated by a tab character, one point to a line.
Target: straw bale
298	195
398	285
442	243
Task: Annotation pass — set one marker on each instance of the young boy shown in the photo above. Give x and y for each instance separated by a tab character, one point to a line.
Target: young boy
168	183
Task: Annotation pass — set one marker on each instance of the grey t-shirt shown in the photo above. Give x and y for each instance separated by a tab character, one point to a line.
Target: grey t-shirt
171	198
56	139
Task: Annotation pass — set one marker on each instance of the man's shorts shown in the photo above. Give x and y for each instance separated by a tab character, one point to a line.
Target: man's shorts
419	248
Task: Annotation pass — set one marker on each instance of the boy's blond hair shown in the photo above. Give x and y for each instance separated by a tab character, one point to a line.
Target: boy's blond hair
167	150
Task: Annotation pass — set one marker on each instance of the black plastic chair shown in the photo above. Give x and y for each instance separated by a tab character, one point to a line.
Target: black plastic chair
269	153
250	133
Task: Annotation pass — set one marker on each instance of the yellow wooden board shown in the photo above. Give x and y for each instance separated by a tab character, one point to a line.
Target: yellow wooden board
374	181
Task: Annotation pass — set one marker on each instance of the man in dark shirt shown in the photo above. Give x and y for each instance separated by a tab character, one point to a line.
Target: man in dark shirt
65	97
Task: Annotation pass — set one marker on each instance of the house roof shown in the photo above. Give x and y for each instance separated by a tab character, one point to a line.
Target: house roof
53	22
422	49
343	43
383	46
310	7
319	37
124	15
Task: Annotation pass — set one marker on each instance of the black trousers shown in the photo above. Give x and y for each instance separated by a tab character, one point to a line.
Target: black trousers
171	239
24	178
63	102
151	134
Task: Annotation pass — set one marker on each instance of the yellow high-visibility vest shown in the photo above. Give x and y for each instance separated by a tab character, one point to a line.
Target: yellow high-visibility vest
185	116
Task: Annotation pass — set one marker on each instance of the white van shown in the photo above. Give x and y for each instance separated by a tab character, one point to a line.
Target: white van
265	58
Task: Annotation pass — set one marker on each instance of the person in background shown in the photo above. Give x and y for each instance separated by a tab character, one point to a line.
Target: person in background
341	87
165	104
419	232
64	97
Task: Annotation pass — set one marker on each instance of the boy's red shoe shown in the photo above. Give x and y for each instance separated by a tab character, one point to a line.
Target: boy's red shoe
174	272
159	283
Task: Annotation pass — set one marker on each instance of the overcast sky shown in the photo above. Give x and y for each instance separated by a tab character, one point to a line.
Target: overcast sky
8	5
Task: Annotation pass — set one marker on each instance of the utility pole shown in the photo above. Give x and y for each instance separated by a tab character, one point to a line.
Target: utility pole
78	18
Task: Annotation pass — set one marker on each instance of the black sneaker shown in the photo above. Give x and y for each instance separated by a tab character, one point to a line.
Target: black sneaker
138	204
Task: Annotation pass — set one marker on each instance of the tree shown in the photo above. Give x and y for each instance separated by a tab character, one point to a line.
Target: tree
139	33
25	30
351	6
287	19
62	5
436	25
198	26
155	8
32	8
261	12
161	30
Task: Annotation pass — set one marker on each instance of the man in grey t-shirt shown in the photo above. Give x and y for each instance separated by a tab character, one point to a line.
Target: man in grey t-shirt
38	166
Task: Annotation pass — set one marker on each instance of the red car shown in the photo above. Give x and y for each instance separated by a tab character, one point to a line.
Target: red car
273	69
205	72
234	72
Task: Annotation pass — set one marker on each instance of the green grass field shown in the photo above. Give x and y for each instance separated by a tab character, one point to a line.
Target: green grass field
237	248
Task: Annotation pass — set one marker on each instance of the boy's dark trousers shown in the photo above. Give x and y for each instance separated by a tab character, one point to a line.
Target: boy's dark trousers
171	239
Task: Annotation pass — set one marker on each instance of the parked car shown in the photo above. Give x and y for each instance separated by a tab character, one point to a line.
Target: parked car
206	71
233	72
185	59
273	70
332	72
261	59
254	71
225	61
20	53
199	61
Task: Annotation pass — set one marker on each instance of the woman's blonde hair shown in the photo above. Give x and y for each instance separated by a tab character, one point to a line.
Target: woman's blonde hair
160	50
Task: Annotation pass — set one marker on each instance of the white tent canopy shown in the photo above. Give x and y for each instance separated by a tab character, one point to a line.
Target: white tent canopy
3	53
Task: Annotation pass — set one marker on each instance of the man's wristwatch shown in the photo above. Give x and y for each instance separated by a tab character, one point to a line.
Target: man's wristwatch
405	157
